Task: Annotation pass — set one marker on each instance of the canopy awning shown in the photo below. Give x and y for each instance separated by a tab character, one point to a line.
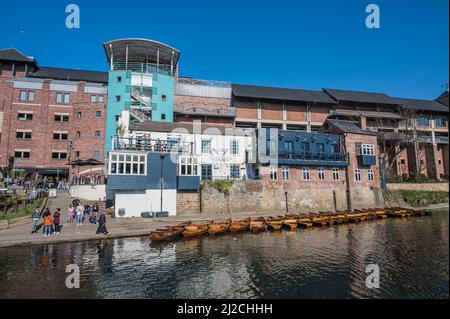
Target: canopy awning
141	50
87	162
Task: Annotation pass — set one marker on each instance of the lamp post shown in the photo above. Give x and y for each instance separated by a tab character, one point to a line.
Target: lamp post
161	181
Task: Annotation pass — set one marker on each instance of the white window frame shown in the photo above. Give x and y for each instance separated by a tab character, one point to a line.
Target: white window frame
367	149
60	135
190	165
321	173
234	147
306	174
205	150
22	153
23	96
370	175
285	173
22	116
59	155
273	173
335	172
23	133
357	175
127	160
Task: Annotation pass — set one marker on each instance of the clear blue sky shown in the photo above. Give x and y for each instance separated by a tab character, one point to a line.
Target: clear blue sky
303	44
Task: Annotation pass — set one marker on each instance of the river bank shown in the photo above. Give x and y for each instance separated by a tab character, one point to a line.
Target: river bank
119	228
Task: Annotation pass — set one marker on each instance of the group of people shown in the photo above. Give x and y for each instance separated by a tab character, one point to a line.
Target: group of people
52	224
75	212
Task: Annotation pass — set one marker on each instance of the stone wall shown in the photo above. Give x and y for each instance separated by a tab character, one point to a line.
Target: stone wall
427	187
255	196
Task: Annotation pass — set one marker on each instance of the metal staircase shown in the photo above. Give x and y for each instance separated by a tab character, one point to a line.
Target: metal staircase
139	115
142	99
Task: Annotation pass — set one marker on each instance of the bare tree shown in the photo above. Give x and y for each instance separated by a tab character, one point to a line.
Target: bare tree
392	143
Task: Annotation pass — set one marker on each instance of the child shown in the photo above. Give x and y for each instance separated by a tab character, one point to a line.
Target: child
70	213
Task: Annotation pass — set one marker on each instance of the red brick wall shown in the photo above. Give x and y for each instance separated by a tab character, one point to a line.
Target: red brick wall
271	110
296	180
43	126
180	100
296	112
319	113
246	108
351	141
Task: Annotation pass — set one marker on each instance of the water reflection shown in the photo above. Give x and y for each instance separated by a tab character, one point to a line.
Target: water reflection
307	263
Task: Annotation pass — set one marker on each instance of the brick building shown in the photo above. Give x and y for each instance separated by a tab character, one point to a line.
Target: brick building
50	116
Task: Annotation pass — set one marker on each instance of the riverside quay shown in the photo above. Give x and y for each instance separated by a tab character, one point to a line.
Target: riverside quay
142	138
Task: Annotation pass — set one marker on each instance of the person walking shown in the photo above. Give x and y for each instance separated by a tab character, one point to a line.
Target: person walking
80	214
47	223
70	213
102	224
57	220
35	219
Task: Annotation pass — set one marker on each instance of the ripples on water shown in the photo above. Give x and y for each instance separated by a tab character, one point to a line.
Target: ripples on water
329	263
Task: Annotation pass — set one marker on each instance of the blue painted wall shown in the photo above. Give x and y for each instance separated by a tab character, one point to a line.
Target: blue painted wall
294	146
152	179
114	108
162	85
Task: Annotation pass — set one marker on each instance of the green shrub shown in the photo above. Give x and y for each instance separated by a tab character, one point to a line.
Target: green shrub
422	198
223	186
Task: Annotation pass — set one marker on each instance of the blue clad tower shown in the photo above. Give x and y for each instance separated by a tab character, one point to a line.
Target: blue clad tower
141	84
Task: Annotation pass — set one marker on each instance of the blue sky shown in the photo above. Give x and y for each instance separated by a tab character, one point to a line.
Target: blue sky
303	44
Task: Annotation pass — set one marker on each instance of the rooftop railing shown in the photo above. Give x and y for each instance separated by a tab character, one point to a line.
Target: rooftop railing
204	82
139	67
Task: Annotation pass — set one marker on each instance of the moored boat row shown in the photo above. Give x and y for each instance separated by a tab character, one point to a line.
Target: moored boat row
290	222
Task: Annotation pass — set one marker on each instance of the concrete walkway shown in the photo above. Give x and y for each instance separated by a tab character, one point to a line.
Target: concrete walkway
118	227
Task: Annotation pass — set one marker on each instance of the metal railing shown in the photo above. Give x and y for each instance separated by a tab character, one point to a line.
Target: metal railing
204	82
309	156
152	145
140	67
206	110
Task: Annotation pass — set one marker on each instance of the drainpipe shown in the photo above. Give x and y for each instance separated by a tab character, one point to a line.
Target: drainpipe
334	199
287	205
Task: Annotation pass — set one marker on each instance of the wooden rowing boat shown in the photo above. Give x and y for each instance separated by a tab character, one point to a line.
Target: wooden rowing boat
290	223
195	230
219	227
274	223
305	221
258	225
166	234
240	225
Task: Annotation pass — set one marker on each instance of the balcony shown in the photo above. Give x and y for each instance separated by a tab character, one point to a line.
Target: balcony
309	158
366	160
151	145
143	67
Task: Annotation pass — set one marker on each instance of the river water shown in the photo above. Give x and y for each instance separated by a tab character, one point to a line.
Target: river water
412	256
